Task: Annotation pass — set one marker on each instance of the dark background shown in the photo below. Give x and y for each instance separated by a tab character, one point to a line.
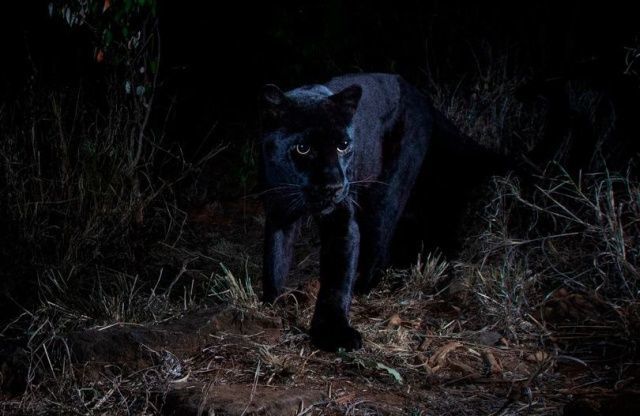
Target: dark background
214	58
216	55
83	222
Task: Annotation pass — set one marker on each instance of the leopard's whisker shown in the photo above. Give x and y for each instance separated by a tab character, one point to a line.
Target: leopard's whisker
353	201
366	181
279	188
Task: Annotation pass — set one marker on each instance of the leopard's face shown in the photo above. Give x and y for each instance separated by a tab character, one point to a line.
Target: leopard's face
307	157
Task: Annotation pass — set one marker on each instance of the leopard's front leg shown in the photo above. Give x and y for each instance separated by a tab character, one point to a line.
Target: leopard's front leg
278	256
340	240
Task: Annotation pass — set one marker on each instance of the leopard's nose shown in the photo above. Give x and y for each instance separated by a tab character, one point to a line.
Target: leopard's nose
334	190
331	192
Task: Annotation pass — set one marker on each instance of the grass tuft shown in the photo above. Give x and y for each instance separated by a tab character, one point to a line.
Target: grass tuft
236	291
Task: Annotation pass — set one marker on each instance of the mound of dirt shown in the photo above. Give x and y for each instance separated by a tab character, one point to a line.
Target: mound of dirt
240	399
130	345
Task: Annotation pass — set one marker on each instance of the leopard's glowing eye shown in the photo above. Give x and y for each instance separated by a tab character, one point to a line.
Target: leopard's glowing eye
303	149
343	147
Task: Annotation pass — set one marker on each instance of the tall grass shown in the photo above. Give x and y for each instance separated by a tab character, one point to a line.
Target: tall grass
579	233
88	215
570	227
86	190
72	182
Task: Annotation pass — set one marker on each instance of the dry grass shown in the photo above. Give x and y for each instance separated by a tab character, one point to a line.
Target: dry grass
229	289
485	108
85	194
540	308
560	262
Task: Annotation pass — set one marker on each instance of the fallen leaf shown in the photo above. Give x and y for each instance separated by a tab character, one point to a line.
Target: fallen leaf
537	357
439	358
504	342
462	367
392	371
491	364
394	321
424	345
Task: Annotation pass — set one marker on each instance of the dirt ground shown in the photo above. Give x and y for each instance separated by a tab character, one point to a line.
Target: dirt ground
426	351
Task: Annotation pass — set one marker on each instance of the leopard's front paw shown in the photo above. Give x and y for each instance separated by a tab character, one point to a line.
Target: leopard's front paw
333	337
363	287
269	296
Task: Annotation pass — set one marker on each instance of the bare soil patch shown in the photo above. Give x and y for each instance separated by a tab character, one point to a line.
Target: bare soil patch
426	351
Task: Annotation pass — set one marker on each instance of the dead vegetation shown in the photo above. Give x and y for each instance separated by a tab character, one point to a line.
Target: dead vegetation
146	308
462	338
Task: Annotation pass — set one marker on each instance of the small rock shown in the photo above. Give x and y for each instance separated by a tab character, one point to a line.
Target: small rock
489	338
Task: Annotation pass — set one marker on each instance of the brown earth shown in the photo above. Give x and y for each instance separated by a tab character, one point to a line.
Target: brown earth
424	353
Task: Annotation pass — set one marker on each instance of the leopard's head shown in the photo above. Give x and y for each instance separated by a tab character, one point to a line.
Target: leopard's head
308	147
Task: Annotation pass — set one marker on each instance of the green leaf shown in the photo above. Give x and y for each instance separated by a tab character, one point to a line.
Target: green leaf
342	353
392	371
108	37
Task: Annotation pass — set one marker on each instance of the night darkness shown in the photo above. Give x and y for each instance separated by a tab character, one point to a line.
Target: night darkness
217	56
132	226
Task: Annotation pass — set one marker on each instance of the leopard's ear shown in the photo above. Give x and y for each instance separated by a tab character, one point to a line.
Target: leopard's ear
275	104
273	95
347	100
